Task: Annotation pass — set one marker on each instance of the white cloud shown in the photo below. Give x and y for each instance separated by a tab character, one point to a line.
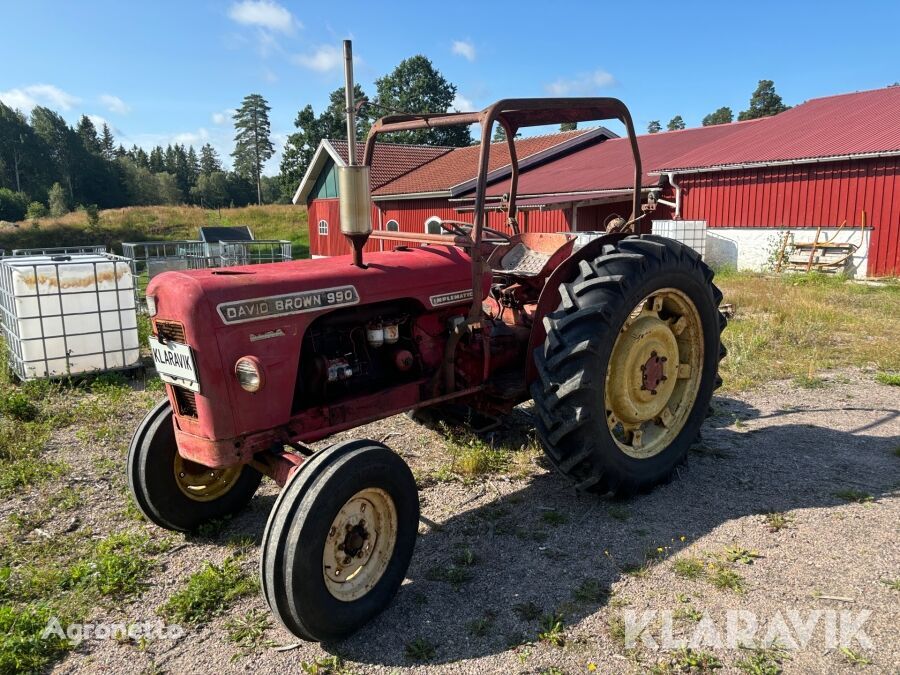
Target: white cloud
114	104
263	14
223	117
465	49
583	84
26	98
198	137
462	104
99	122
324	59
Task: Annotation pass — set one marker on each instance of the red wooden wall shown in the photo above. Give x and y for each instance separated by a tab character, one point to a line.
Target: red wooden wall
805	195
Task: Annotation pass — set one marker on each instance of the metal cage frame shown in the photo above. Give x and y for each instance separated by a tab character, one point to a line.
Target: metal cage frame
10	319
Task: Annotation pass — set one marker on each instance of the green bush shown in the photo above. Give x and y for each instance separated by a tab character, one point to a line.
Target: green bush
12	205
36	210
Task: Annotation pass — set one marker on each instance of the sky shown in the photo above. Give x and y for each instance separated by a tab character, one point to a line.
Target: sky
173	71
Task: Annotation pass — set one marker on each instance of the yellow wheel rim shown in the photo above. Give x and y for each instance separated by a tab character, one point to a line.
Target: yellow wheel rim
202	484
654	373
360	544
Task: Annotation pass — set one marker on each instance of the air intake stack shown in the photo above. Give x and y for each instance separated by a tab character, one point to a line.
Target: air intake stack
353	179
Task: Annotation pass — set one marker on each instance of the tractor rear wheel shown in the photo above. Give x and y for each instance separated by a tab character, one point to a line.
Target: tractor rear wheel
339	540
175	493
629	365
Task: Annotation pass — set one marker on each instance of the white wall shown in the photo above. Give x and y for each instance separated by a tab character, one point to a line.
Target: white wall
752	248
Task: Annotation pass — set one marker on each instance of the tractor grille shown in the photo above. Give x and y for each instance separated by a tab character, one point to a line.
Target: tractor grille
170	331
186	401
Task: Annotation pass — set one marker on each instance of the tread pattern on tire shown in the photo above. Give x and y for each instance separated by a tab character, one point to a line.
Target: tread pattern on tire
563	390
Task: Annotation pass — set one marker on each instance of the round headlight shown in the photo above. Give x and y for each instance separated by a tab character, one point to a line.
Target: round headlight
249	373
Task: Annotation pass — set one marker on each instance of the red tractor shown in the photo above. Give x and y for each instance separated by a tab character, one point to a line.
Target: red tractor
617	342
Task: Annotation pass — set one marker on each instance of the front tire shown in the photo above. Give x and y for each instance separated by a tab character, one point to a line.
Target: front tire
629	365
177	494
339	540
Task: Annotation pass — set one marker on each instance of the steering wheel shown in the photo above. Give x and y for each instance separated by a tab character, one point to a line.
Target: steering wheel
463	229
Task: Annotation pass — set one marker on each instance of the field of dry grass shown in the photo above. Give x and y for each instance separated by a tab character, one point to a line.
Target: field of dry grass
152	223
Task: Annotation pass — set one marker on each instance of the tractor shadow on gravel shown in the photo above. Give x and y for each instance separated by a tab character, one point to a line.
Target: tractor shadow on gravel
488	578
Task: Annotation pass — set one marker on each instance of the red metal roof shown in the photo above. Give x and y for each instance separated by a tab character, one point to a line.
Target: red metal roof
392	160
609	165
461	164
834	126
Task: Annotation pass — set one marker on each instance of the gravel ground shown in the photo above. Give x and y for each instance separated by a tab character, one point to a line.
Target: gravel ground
779	448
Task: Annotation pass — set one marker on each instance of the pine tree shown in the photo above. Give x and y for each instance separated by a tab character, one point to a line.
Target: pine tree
675	124
253	148
156	161
721	116
568	126
209	160
764	102
87	132
107	143
654	127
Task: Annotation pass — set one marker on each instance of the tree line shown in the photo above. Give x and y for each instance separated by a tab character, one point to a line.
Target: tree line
763	102
48	167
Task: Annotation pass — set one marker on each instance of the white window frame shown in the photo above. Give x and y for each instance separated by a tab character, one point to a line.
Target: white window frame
323	231
387	226
431	221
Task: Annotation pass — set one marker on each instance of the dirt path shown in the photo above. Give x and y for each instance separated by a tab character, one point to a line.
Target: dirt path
780	449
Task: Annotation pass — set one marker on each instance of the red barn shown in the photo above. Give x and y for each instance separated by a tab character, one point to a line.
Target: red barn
804	171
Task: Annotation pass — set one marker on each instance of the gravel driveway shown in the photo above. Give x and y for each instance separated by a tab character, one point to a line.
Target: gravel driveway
530	553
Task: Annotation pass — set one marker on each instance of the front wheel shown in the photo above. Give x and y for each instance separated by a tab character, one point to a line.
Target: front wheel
339	540
629	365
175	493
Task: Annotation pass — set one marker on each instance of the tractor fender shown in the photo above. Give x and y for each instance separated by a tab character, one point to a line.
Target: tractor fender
549	299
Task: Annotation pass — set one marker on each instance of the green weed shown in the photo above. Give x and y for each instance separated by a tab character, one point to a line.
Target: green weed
208	593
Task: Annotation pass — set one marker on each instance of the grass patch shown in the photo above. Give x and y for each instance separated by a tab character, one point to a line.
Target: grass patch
777	520
724	578
247	631
527	611
208	593
687	660
471	456
892	379
22	650
451	574
687	614
481	626
809	382
552	631
591	590
854	658
688	567
855	496
420	649
554	518
762	660
738	554
325	665
893	584
117	566
811	315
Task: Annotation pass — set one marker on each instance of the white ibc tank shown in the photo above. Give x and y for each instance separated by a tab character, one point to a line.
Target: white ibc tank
70	314
690	232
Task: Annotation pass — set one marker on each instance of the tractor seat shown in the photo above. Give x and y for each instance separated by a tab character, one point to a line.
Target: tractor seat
522	261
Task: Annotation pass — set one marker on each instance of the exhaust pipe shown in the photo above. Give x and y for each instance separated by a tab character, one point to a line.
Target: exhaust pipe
353	180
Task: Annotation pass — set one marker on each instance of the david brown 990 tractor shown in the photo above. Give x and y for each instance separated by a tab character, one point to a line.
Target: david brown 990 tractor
616	341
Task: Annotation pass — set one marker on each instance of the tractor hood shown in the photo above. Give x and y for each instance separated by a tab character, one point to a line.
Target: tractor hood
434	275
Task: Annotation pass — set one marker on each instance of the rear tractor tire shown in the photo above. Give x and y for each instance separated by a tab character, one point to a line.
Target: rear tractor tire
339	540
175	493
629	365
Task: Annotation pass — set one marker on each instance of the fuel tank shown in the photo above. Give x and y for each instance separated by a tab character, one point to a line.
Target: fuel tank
263	311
